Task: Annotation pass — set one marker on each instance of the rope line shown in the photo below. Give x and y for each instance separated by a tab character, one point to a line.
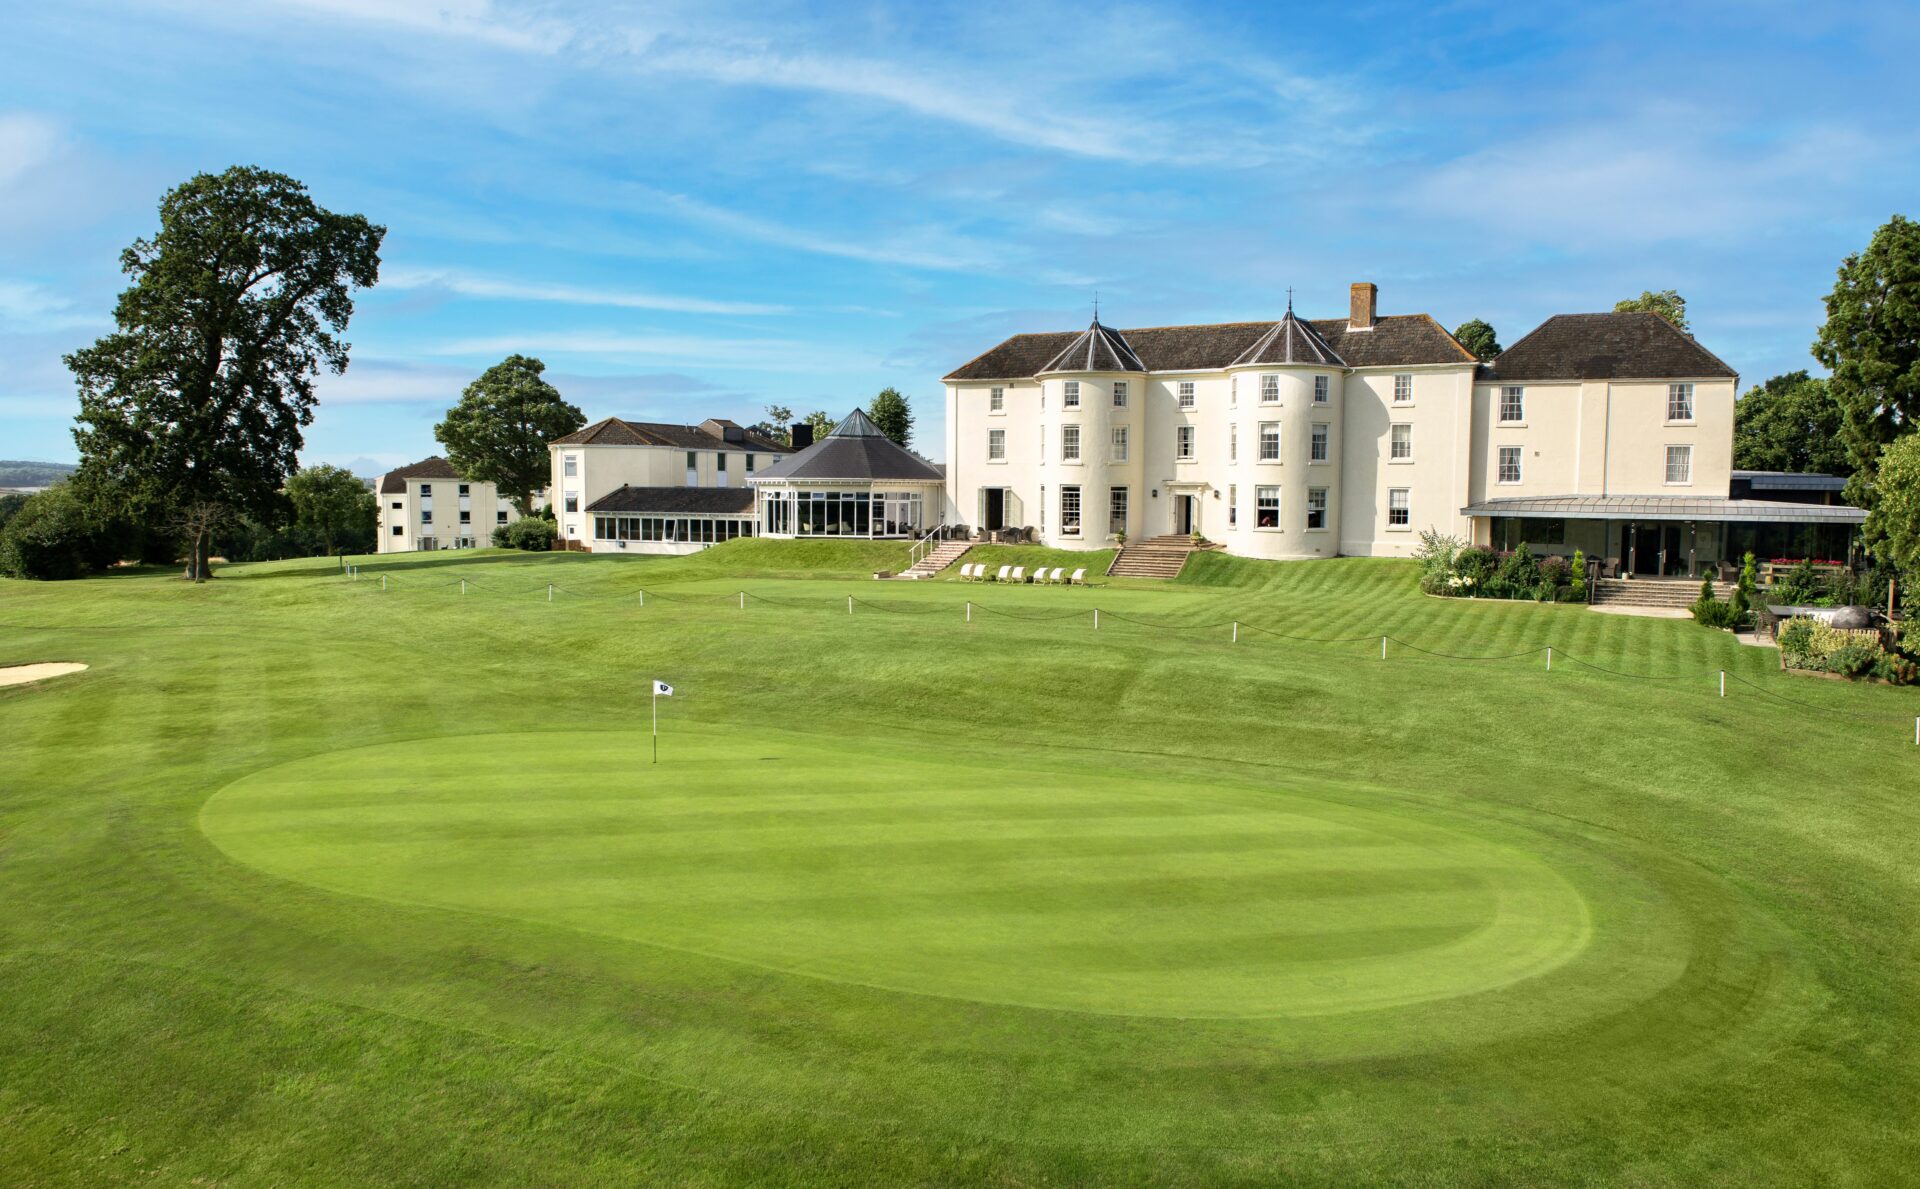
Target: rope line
838	603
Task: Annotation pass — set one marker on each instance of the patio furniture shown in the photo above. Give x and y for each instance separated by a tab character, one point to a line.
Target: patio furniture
1002	575
1078	578
1019	574
1054	578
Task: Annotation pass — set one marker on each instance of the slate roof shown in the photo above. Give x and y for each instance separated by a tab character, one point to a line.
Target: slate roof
1397	339
614	431
1290	341
394	482
715	501
1655	507
1097	349
1634	345
856	450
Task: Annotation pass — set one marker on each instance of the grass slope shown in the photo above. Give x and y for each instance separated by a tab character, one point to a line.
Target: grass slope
311	882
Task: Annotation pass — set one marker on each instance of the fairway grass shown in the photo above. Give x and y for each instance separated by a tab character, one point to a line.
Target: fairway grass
311	882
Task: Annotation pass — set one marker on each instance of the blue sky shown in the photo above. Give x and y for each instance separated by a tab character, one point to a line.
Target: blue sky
699	210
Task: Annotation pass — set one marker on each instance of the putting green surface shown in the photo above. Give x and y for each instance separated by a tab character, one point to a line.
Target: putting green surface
1083	888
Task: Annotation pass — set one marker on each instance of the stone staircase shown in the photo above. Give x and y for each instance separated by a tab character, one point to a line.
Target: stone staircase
1156	557
937	559
1675	594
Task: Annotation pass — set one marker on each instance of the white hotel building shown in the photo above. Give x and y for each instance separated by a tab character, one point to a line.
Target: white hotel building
1298	439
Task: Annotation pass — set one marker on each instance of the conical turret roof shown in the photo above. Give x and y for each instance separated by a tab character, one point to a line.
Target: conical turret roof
1096	349
1290	341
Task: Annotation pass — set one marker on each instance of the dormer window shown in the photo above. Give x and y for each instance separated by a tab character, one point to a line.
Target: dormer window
1070	394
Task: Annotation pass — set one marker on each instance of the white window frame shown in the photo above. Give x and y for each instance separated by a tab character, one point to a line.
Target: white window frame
1400	442
1260	495
1275	427
1183	436
1119	499
1317	502
1515	454
996	445
1069	443
1322	390
1679	404
996	399
1070	394
1320	443
1513	405
1270	388
569	465
1404	507
1233	441
1184	393
1119	394
1403	388
1117	448
1684	453
1233	505
1071	528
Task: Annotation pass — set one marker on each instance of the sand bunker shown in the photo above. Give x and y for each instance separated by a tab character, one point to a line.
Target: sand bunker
21	674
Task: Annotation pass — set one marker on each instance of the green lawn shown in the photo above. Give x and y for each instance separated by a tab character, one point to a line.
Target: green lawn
309	882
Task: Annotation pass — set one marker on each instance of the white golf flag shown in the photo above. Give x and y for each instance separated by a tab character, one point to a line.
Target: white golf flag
662	689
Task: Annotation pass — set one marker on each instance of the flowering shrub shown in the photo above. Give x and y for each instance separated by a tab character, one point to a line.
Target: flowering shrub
1807	643
1475	571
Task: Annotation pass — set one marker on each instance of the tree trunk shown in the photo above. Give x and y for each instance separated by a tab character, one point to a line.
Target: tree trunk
201	546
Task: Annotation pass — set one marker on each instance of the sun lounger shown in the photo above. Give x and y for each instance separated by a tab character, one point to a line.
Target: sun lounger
1078	578
1002	575
1019	574
1055	576
973	570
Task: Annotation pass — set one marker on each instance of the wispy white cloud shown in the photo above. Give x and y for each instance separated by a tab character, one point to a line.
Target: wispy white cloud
27	142
472	20
467	284
26	307
720	354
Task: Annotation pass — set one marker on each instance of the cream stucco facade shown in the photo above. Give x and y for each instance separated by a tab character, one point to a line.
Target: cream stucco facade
1325	438
648	487
429	506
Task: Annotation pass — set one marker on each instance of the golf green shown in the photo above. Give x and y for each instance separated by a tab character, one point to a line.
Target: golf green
1082	889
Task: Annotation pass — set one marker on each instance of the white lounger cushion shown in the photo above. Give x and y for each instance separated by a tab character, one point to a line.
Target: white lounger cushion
1002	575
1019	574
1055	576
1079	576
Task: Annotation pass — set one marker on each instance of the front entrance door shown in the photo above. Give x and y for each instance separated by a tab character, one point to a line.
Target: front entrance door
1650	546
1183	514
993	510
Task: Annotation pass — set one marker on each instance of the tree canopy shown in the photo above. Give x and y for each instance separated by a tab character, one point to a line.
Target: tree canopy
777	425
332	504
821	421
1871	344
1667	303
192	409
1478	337
1894	523
499	431
1790	423
894	417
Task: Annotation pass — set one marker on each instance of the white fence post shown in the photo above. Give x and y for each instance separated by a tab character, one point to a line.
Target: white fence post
1096	619
849	604
743	600
1549	658
969	610
549	592
643	598
383	582
1236	631
1383	648
463	586
1723	683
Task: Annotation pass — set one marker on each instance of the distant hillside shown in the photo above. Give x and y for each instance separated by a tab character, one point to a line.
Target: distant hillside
16	473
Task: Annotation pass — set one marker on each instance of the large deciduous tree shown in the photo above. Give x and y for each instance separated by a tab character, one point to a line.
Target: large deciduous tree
1790	423
499	431
1667	303
1894	523
331	503
892	415
821	421
1478	337
776	426
192	409
1871	344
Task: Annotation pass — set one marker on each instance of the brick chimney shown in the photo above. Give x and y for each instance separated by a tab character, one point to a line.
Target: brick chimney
1360	306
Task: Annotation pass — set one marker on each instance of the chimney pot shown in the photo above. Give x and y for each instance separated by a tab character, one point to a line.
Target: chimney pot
1360	315
801	433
